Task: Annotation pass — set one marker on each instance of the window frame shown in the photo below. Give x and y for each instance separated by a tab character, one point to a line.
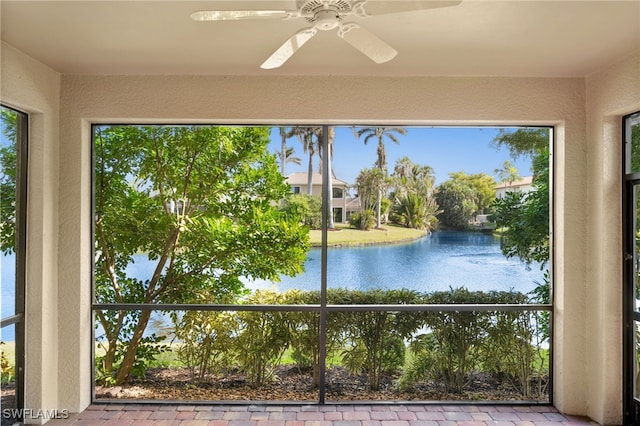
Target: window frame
323	308
18	318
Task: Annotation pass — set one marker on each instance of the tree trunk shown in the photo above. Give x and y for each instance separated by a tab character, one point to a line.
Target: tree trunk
310	175
378	208
130	355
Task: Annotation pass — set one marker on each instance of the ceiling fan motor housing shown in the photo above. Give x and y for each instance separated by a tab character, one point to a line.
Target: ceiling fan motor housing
325	14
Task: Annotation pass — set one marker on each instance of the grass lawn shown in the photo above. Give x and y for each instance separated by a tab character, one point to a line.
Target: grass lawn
345	236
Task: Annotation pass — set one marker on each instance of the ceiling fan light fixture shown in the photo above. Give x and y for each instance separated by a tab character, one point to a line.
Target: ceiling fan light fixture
326	20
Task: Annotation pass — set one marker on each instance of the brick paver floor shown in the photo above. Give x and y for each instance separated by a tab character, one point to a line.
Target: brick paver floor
320	415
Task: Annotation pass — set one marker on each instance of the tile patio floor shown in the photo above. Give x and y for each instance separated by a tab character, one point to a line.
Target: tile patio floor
316	415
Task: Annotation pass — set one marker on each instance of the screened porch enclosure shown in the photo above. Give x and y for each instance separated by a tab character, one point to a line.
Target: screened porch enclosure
218	278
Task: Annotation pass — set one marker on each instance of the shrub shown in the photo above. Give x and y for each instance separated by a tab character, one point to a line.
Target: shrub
7	371
307	207
458	343
262	338
375	338
363	220
207	342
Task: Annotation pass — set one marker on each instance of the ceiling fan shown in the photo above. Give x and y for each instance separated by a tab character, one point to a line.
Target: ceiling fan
325	15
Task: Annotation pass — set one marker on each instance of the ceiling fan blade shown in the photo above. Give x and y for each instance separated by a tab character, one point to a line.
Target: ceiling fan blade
377	50
374	7
289	47
236	15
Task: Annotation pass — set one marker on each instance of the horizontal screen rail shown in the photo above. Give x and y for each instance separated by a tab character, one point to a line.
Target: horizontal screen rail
329	308
13	319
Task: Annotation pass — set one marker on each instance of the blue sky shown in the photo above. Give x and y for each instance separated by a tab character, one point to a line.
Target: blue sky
445	149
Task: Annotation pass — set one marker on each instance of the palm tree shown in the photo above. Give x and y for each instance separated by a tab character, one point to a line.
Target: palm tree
309	138
331	135
379	133
288	157
508	173
283	149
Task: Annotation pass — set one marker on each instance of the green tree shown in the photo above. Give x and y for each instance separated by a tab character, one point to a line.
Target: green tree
288	157
331	136
371	184
524	217
414	211
412	178
414	204
524	142
379	133
200	201
8	162
508	173
306	207
310	139
483	187
457	202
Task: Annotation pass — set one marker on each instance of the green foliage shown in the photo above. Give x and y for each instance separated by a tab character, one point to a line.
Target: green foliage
524	217
635	149
364	220
8	162
207	341
523	142
7	368
262	338
371	184
374	339
413	211
450	354
148	348
199	200
307	207
458	343
507	351
380	133
463	197
483	187
371	342
414	205
457	202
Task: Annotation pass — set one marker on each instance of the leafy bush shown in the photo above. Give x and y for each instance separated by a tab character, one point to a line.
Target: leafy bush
458	343
307	207
363	220
375	338
414	211
7	370
146	352
207	341
262	338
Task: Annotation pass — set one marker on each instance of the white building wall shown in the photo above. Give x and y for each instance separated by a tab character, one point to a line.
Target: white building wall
33	88
610	94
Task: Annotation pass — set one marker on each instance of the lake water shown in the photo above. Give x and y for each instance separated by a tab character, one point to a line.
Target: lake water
437	262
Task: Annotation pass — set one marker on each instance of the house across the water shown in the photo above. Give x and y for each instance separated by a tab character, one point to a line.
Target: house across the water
525	185
342	204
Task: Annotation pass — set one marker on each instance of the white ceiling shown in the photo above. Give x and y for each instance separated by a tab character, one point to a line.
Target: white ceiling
476	37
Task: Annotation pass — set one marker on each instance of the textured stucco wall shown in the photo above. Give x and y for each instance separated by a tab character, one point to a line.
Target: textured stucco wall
33	88
610	94
352	100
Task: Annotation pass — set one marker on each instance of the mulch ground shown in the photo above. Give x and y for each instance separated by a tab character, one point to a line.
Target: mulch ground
291	384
